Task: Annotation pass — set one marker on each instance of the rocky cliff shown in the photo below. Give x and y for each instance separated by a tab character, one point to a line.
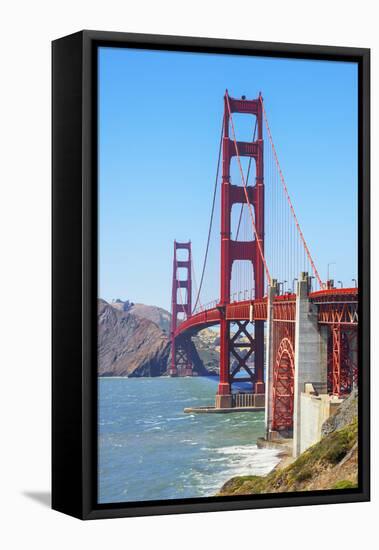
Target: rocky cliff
347	412
134	341
206	341
159	316
129	345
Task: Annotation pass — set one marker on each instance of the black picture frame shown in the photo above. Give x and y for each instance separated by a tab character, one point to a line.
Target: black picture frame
74	272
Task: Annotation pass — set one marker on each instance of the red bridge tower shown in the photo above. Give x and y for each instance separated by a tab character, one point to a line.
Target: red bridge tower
241	250
181	364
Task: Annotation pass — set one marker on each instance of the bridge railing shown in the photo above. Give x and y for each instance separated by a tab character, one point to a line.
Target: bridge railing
239	296
248	294
241	400
205	307
334	295
243	295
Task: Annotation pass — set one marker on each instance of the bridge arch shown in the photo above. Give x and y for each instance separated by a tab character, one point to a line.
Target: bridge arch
283	387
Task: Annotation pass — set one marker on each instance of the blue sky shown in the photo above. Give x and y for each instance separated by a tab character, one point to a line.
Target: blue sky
159	128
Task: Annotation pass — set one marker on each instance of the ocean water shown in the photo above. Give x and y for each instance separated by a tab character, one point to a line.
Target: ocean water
149	449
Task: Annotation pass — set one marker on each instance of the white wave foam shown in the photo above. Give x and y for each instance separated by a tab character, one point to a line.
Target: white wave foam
236	460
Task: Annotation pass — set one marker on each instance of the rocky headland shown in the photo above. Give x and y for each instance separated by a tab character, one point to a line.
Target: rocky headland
133	340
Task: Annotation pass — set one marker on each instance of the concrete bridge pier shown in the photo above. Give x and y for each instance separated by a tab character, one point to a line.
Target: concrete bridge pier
310	359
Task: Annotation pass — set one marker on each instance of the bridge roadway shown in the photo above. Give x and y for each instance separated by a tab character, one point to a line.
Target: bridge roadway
335	306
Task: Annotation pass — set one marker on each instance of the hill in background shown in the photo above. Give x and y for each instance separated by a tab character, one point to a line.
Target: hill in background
134	341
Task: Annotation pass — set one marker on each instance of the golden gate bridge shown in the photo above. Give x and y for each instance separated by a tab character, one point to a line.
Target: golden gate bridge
281	326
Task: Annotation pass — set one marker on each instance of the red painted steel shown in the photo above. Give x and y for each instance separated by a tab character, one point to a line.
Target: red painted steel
252	150
284	319
181	363
335	293
254	310
336	359
236	250
242	346
342	359
337	308
283	386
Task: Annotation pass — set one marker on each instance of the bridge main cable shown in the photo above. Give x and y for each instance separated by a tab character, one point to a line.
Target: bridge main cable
211	218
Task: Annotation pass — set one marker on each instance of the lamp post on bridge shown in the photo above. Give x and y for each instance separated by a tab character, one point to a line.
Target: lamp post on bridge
355	282
310	282
293	285
341	283
327	270
281	283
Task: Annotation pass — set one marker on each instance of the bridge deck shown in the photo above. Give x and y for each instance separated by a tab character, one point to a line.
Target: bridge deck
256	310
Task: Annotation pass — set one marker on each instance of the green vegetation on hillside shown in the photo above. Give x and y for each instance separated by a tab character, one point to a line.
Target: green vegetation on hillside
319	467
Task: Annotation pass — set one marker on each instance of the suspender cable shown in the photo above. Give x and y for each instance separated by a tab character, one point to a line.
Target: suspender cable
306	249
